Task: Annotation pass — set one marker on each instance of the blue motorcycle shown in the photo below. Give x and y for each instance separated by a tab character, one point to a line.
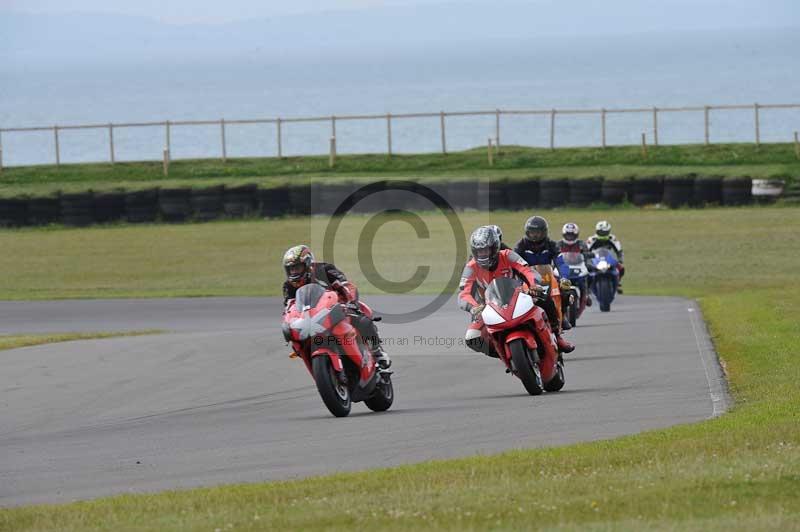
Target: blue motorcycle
604	277
572	267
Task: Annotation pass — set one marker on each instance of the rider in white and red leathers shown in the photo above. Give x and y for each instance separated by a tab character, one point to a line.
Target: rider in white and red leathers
489	262
570	243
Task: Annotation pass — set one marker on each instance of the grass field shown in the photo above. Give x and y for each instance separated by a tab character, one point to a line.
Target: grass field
243	257
770	160
740	471
13	341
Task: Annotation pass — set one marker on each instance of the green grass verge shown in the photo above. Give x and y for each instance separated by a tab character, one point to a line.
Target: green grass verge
770	160
244	257
13	341
737	472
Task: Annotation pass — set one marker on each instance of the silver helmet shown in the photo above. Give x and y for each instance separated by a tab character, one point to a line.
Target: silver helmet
485	247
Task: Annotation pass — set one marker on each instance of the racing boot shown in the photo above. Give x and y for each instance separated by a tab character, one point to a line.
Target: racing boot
381	357
619	287
563	345
588	301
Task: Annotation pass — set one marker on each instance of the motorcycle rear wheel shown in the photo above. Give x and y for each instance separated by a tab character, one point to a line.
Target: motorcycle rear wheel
334	394
383	397
526	367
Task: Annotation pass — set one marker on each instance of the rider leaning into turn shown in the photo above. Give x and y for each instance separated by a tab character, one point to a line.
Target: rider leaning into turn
603	238
489	262
301	269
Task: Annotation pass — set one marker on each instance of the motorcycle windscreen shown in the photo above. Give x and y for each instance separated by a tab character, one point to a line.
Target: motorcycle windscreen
501	291
309	295
605	253
572	258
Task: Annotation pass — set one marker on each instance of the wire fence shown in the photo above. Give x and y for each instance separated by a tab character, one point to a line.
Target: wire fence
650	133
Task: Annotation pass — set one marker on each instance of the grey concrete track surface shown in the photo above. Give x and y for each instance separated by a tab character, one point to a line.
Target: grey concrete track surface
218	401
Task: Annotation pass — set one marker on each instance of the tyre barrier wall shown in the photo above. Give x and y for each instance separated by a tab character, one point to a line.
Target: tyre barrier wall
240	201
737	191
109	206
178	205
615	191
175	204
141	206
586	191
678	191
553	192
647	190
77	209
207	203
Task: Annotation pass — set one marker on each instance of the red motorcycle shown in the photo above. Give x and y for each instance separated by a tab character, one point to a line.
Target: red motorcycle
319	328
520	334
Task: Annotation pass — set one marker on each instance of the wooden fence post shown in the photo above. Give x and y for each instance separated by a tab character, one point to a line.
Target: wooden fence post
490	152
497	128
655	126
553	129
167	134
603	125
758	124
705	122
644	146
165	162
333	126
796	149
222	140
444	138
332	154
280	140
111	142
389	133
58	149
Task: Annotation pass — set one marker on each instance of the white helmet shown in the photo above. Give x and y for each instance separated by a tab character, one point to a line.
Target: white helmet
570	232
603	229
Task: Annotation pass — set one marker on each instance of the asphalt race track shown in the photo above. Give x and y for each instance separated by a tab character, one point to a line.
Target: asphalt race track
217	400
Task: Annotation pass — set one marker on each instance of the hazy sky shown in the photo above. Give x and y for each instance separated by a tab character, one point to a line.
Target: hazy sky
211	11
188	11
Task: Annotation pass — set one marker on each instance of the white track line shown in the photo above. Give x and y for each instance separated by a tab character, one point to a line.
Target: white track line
717	393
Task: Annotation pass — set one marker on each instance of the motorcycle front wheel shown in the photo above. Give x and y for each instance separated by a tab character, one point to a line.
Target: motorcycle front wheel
573	310
604	290
335	395
526	367
383	396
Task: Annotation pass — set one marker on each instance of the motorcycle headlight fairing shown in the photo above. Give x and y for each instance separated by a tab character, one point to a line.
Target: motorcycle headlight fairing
491	316
524	305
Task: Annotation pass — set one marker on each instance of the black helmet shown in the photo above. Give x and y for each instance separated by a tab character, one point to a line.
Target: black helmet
536	229
297	263
485	247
